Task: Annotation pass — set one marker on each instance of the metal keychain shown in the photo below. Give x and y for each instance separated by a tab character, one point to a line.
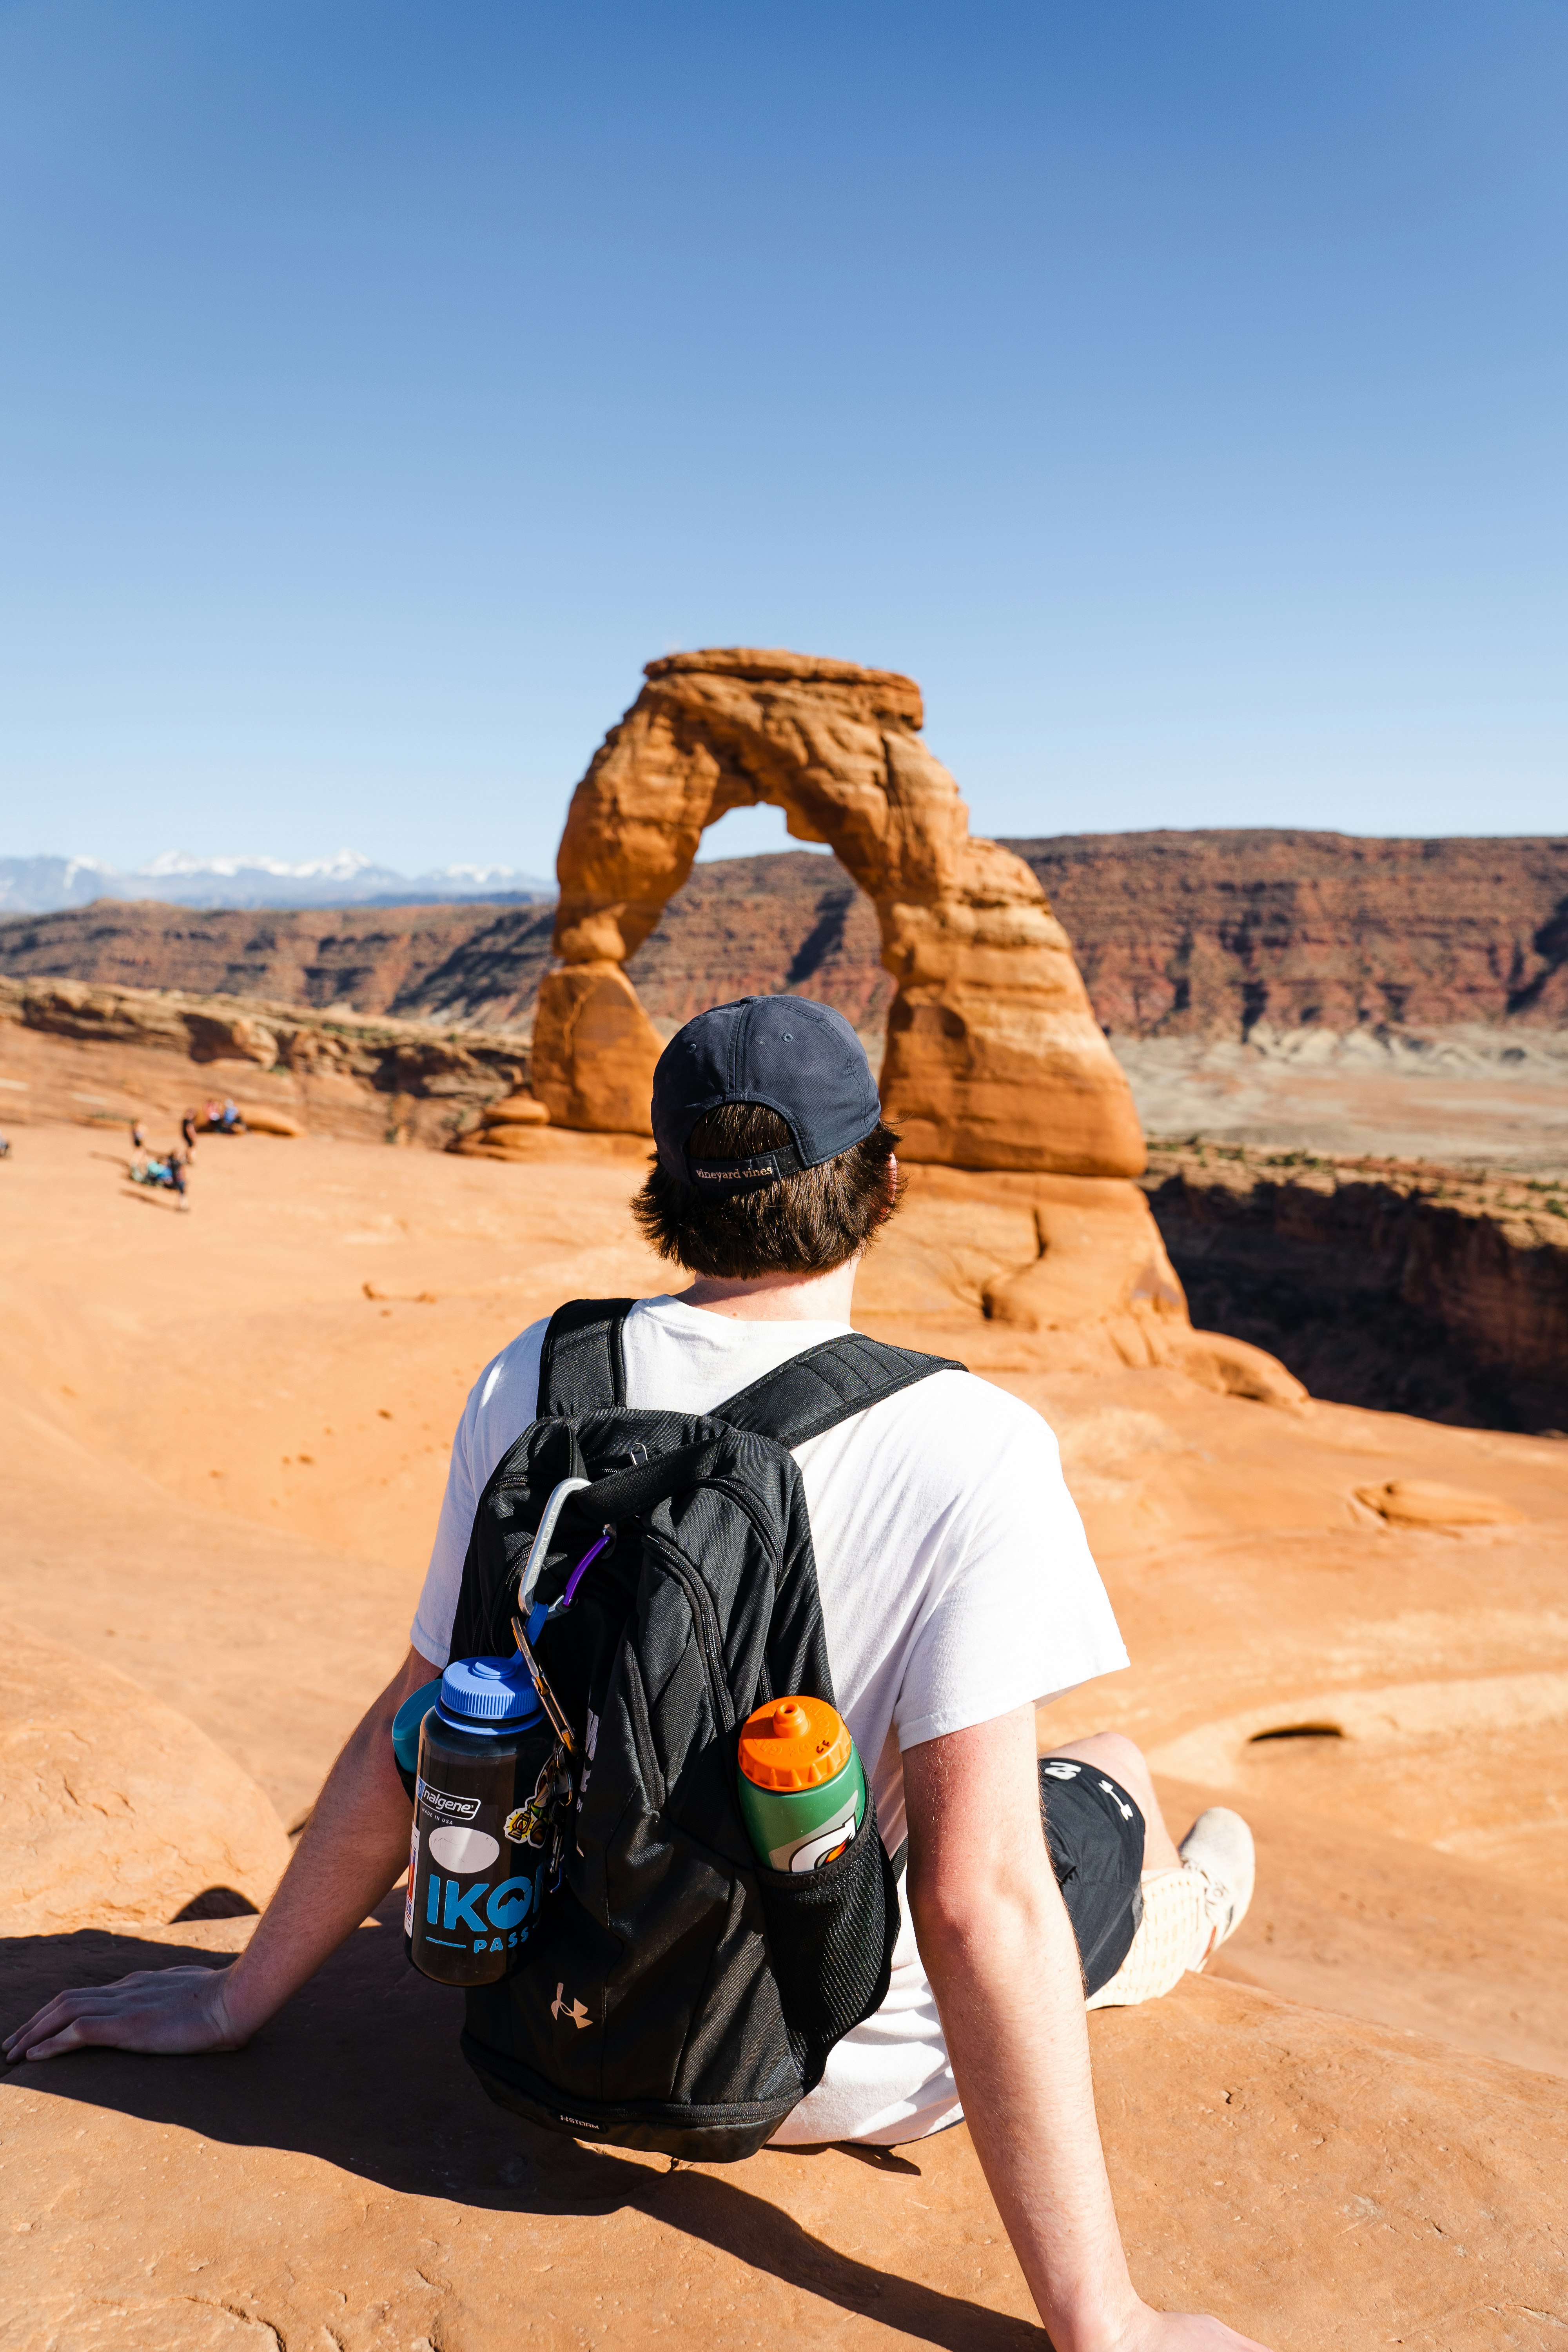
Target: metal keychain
547	1699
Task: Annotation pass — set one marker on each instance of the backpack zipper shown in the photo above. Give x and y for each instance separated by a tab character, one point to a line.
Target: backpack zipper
642	1729
739	1495
705	1620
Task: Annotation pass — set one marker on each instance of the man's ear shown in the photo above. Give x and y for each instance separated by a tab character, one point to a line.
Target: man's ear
891	1195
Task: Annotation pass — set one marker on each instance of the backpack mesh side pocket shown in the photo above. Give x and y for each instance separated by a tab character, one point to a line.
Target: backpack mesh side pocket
831	1934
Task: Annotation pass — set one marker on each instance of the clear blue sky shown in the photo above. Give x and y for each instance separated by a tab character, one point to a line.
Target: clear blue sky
1177	388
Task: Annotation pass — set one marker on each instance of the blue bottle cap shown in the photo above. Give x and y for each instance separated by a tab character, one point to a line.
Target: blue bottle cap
489	1694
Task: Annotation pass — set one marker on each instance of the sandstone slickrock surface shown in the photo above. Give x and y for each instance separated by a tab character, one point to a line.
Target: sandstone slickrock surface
1326	2185
1354	2136
77	1050
994	1057
117	1812
1424	1503
1098	1271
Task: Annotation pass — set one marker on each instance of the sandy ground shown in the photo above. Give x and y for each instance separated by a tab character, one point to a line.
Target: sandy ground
225	1440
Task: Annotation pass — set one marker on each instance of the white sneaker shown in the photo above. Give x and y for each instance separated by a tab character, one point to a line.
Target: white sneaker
1219	1848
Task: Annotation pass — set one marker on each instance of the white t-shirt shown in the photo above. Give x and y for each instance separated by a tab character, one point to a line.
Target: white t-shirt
956	1584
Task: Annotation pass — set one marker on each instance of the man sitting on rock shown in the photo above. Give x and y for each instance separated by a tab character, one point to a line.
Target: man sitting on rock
958	1593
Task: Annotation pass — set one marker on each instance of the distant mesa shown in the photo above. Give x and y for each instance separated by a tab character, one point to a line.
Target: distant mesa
1250	931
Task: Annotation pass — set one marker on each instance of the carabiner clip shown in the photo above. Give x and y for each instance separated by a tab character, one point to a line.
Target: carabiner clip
559	1496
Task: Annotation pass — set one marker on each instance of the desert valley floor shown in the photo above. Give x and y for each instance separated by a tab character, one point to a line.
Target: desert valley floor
226	1436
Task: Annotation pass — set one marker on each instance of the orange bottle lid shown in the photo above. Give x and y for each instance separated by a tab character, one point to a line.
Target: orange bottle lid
794	1743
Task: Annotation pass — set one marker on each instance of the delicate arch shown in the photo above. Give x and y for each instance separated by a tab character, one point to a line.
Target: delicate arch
994	1057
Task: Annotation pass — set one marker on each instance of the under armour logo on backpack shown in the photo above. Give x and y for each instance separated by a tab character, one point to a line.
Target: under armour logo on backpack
576	2013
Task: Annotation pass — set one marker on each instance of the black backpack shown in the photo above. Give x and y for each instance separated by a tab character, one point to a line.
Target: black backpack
676	1993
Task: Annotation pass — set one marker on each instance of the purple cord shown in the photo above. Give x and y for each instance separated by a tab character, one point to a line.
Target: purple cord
580	1571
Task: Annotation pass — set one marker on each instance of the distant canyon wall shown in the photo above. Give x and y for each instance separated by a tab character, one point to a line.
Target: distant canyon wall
1418	1289
385	961
1204	934
1208	934
741	925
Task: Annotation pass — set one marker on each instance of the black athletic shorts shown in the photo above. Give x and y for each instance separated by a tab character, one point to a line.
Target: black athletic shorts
1095	1831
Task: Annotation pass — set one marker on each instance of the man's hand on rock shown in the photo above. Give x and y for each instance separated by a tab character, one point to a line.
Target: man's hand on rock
167	2011
353	1850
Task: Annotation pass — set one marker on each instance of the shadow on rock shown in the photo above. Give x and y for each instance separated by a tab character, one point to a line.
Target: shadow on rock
739	2223
362	2070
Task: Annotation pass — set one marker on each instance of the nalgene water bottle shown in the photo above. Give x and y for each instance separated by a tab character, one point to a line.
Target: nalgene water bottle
803	1793
485	1804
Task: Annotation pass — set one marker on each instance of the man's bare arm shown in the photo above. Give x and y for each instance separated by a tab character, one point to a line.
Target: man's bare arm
998	1947
351	1852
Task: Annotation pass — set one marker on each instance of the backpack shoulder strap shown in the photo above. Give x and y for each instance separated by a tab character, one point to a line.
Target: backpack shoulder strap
582	1370
830	1383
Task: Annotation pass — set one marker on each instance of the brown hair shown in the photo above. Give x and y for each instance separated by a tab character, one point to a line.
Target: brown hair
806	1223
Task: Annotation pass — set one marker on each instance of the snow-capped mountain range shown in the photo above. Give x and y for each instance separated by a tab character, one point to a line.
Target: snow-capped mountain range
37	886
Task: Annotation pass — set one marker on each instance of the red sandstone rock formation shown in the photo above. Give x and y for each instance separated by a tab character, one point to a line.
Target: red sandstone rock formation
1097	1279
993	1058
68	1050
117	1810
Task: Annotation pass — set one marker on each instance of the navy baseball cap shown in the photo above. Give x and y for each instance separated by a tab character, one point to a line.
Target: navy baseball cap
801	1059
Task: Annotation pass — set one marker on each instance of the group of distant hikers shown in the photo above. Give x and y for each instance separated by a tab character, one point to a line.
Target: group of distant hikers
169	1171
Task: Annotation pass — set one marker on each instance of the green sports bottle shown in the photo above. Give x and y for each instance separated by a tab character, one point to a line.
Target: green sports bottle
803	1793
